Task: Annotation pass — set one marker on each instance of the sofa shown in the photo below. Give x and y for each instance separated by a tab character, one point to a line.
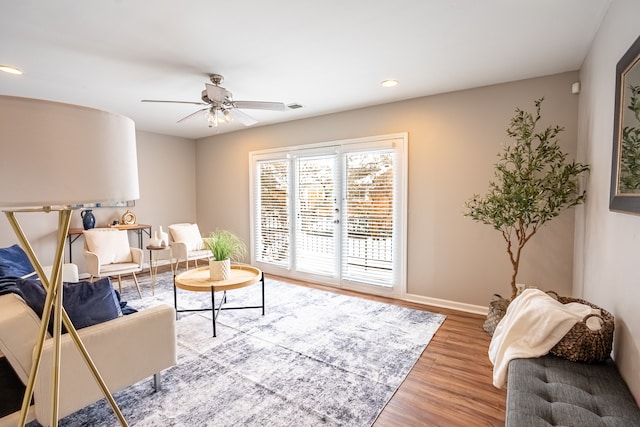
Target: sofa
551	391
125	350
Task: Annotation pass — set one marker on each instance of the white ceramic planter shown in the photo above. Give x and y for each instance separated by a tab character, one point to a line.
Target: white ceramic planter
219	270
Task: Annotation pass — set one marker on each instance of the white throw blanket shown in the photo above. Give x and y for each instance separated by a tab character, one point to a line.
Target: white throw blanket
532	325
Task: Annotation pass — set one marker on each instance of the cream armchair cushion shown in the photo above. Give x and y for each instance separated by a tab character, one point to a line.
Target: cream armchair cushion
187	243
19	326
69	272
189	234
111	246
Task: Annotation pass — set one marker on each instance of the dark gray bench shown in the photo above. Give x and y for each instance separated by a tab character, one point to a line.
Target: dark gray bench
550	391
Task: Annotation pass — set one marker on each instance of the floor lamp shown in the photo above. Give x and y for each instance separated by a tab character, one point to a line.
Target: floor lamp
56	158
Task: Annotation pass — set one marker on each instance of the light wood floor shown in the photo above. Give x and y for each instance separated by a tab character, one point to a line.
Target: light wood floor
451	384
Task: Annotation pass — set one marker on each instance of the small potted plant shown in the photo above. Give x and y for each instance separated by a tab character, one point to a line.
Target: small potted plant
225	247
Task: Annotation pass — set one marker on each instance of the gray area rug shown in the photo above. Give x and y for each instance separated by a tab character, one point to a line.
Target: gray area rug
315	358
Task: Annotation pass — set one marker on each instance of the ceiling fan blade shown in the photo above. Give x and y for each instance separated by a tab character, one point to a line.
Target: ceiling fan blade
192	115
243	118
260	105
173	102
216	93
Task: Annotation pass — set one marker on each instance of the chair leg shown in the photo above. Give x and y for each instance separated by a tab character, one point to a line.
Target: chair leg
119	284
135	279
157	381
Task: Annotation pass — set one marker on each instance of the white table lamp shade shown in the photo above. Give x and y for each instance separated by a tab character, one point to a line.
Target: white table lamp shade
55	154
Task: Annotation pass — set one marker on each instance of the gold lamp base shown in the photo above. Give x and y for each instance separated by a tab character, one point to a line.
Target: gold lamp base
53	304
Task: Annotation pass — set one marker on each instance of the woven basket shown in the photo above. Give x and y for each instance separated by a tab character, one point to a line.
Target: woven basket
497	309
581	344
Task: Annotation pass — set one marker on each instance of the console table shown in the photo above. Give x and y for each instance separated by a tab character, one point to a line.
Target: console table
139	229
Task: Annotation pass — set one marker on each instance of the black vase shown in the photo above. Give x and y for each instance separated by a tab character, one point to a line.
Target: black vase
88	220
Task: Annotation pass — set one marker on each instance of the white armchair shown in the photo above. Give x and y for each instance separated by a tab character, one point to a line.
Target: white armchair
107	253
187	244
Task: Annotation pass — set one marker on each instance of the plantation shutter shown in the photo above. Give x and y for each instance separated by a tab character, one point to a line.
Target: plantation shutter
369	234
272	213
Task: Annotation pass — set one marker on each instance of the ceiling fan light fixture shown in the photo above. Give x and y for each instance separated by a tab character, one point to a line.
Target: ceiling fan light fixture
227	116
222	108
389	83
217	116
11	70
211	118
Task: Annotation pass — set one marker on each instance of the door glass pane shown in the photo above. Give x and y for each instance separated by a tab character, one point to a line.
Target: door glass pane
272	211
315	215
369	203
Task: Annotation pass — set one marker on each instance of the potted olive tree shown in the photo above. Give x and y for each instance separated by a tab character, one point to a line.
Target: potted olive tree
534	183
225	247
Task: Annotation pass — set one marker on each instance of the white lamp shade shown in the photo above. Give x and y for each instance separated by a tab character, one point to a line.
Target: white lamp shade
55	154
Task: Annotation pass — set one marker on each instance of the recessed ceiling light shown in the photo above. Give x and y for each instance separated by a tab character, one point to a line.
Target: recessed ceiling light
389	83
11	70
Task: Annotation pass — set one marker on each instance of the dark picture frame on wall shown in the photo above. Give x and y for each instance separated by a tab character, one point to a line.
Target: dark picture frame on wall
625	169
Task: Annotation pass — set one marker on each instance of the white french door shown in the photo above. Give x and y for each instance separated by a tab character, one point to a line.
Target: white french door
333	213
316	215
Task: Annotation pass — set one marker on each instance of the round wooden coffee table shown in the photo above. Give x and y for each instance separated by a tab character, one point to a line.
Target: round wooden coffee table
197	280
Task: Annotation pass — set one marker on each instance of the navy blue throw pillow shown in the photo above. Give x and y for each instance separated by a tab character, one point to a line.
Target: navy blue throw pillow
86	303
124	306
14	262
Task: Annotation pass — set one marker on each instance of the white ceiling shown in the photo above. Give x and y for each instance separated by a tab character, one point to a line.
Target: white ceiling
327	56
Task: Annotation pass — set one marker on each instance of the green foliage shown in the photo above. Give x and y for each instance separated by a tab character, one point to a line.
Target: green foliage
534	183
224	244
630	148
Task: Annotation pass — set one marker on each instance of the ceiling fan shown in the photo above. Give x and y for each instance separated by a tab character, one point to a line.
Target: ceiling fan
221	107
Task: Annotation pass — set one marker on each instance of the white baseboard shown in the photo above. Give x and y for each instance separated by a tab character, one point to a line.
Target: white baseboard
453	305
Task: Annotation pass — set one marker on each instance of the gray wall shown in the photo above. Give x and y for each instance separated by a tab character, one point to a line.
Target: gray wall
454	140
608	243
